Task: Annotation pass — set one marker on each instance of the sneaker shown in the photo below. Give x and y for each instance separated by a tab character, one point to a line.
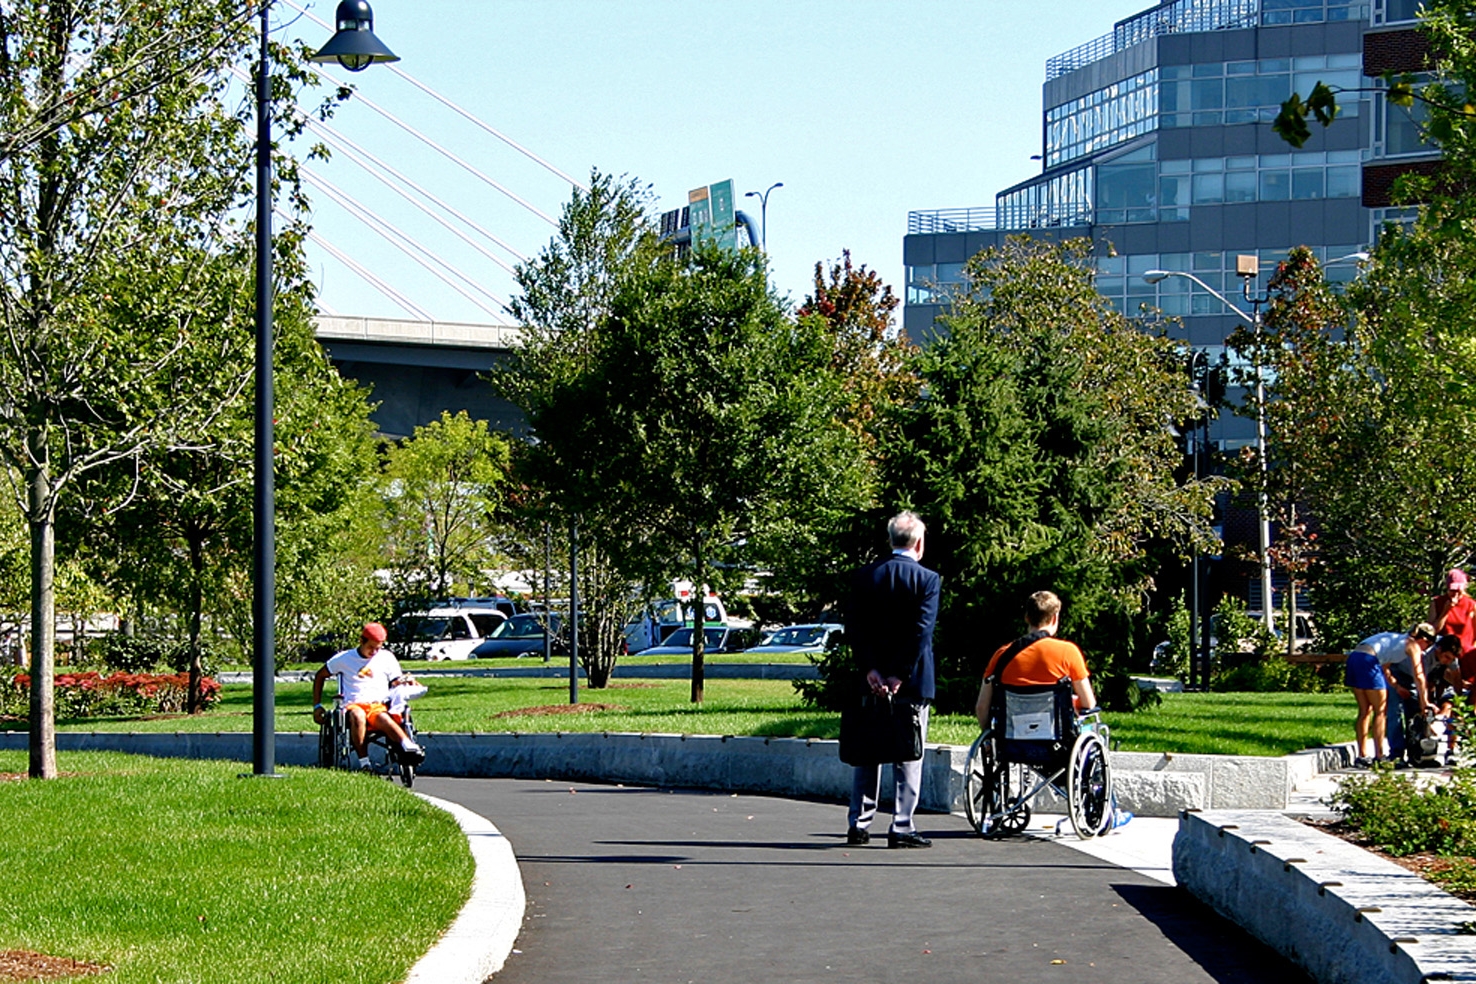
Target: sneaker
1121	818
1362	763
856	837
897	839
411	752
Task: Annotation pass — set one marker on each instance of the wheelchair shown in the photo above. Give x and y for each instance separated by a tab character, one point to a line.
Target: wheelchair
1037	741
334	746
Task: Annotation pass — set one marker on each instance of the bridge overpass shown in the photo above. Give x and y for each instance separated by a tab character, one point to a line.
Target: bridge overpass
416	369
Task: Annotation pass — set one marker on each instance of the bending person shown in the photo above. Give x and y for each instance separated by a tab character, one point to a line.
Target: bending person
365	676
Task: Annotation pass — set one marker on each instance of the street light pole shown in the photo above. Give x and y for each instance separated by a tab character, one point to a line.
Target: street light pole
355	47
1248	268
1254	320
764	211
264	555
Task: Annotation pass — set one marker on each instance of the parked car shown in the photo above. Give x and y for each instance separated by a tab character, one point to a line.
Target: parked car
521	635
817	637
442	633
502	603
715	639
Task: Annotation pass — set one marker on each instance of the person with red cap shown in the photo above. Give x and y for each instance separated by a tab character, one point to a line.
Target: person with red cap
1454	612
365	676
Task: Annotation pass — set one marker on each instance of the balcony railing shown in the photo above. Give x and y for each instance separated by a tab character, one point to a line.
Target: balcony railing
1174	17
938	220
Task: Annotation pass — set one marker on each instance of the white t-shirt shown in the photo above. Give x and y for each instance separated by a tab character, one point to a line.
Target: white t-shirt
365	681
1387	647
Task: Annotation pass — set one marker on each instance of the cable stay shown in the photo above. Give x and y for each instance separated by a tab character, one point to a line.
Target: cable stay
449	155
399	300
359	156
483	125
408	245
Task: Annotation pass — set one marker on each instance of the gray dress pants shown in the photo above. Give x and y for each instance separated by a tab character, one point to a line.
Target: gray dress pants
907	781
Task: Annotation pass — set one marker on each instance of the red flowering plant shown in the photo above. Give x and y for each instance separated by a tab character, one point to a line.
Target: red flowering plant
91	694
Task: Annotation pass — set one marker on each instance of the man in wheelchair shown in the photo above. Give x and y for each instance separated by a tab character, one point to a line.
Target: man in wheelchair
365	677
1036	709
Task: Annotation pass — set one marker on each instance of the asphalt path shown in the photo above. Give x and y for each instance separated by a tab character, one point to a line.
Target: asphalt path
639	884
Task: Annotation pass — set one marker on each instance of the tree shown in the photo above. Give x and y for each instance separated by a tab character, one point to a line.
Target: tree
441	494
122	162
1367	423
736	428
1384	404
809	554
173	527
565	297
1041	457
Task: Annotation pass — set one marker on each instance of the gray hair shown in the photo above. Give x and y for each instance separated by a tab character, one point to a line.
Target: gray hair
905	530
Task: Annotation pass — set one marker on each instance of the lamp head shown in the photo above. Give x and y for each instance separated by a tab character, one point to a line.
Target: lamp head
1155	276
354	46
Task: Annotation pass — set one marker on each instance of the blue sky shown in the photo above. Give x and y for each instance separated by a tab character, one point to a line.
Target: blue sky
865	110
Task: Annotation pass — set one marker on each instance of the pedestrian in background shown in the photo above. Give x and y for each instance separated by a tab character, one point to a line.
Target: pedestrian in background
894	607
1453	612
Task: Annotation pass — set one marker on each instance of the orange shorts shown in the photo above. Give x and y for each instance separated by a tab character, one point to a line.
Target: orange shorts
371	711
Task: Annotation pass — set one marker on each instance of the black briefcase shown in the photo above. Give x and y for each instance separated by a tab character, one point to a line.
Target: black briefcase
877	729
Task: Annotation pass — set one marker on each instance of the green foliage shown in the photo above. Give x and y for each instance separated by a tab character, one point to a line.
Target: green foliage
1175	661
1039	457
1342	404
441	493
1404	816
682	416
840	678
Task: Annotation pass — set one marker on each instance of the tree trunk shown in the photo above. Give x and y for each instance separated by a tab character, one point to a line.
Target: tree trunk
43	616
197	662
699	627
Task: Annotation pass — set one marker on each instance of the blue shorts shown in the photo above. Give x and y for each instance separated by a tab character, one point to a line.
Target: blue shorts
1363	672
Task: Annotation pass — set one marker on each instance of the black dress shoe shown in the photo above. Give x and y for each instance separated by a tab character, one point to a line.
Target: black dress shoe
856	837
907	840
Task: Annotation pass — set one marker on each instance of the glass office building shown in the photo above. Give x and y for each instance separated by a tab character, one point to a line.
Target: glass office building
1156	143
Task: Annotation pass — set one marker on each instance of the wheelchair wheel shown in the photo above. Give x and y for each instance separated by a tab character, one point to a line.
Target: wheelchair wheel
1089	787
333	740
990	795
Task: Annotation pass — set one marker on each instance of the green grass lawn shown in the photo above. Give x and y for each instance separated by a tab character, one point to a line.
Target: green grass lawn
1238	723
173	870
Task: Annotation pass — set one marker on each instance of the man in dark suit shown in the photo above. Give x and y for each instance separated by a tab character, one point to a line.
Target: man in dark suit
894	606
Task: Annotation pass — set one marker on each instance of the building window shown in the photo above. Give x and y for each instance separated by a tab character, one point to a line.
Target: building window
1101	119
1401	130
1212	93
1395	11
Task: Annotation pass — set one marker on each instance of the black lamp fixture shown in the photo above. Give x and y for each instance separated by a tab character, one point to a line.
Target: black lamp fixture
354	46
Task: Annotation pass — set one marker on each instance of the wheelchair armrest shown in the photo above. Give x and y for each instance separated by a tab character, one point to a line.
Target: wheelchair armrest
1090	712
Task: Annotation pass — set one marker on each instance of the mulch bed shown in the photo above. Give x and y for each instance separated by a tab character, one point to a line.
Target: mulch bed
1424	864
24	966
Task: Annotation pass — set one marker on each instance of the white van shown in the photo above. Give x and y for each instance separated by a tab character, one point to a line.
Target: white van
442	633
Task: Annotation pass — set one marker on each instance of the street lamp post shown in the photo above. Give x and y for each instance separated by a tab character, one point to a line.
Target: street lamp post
355	47
1248	268
764	211
1198	657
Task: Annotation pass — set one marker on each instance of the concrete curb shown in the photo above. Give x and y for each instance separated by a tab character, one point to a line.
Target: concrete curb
1345	915
477	944
1148	784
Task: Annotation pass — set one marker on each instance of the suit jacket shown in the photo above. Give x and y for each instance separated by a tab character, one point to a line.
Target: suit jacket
894	606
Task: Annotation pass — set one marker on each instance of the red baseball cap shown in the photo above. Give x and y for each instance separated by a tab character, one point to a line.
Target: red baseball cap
373	632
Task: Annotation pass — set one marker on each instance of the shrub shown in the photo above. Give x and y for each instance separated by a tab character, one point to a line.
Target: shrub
131	654
1403	816
82	695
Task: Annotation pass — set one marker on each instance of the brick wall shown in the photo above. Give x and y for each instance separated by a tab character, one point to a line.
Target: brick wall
1395	51
1378	179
